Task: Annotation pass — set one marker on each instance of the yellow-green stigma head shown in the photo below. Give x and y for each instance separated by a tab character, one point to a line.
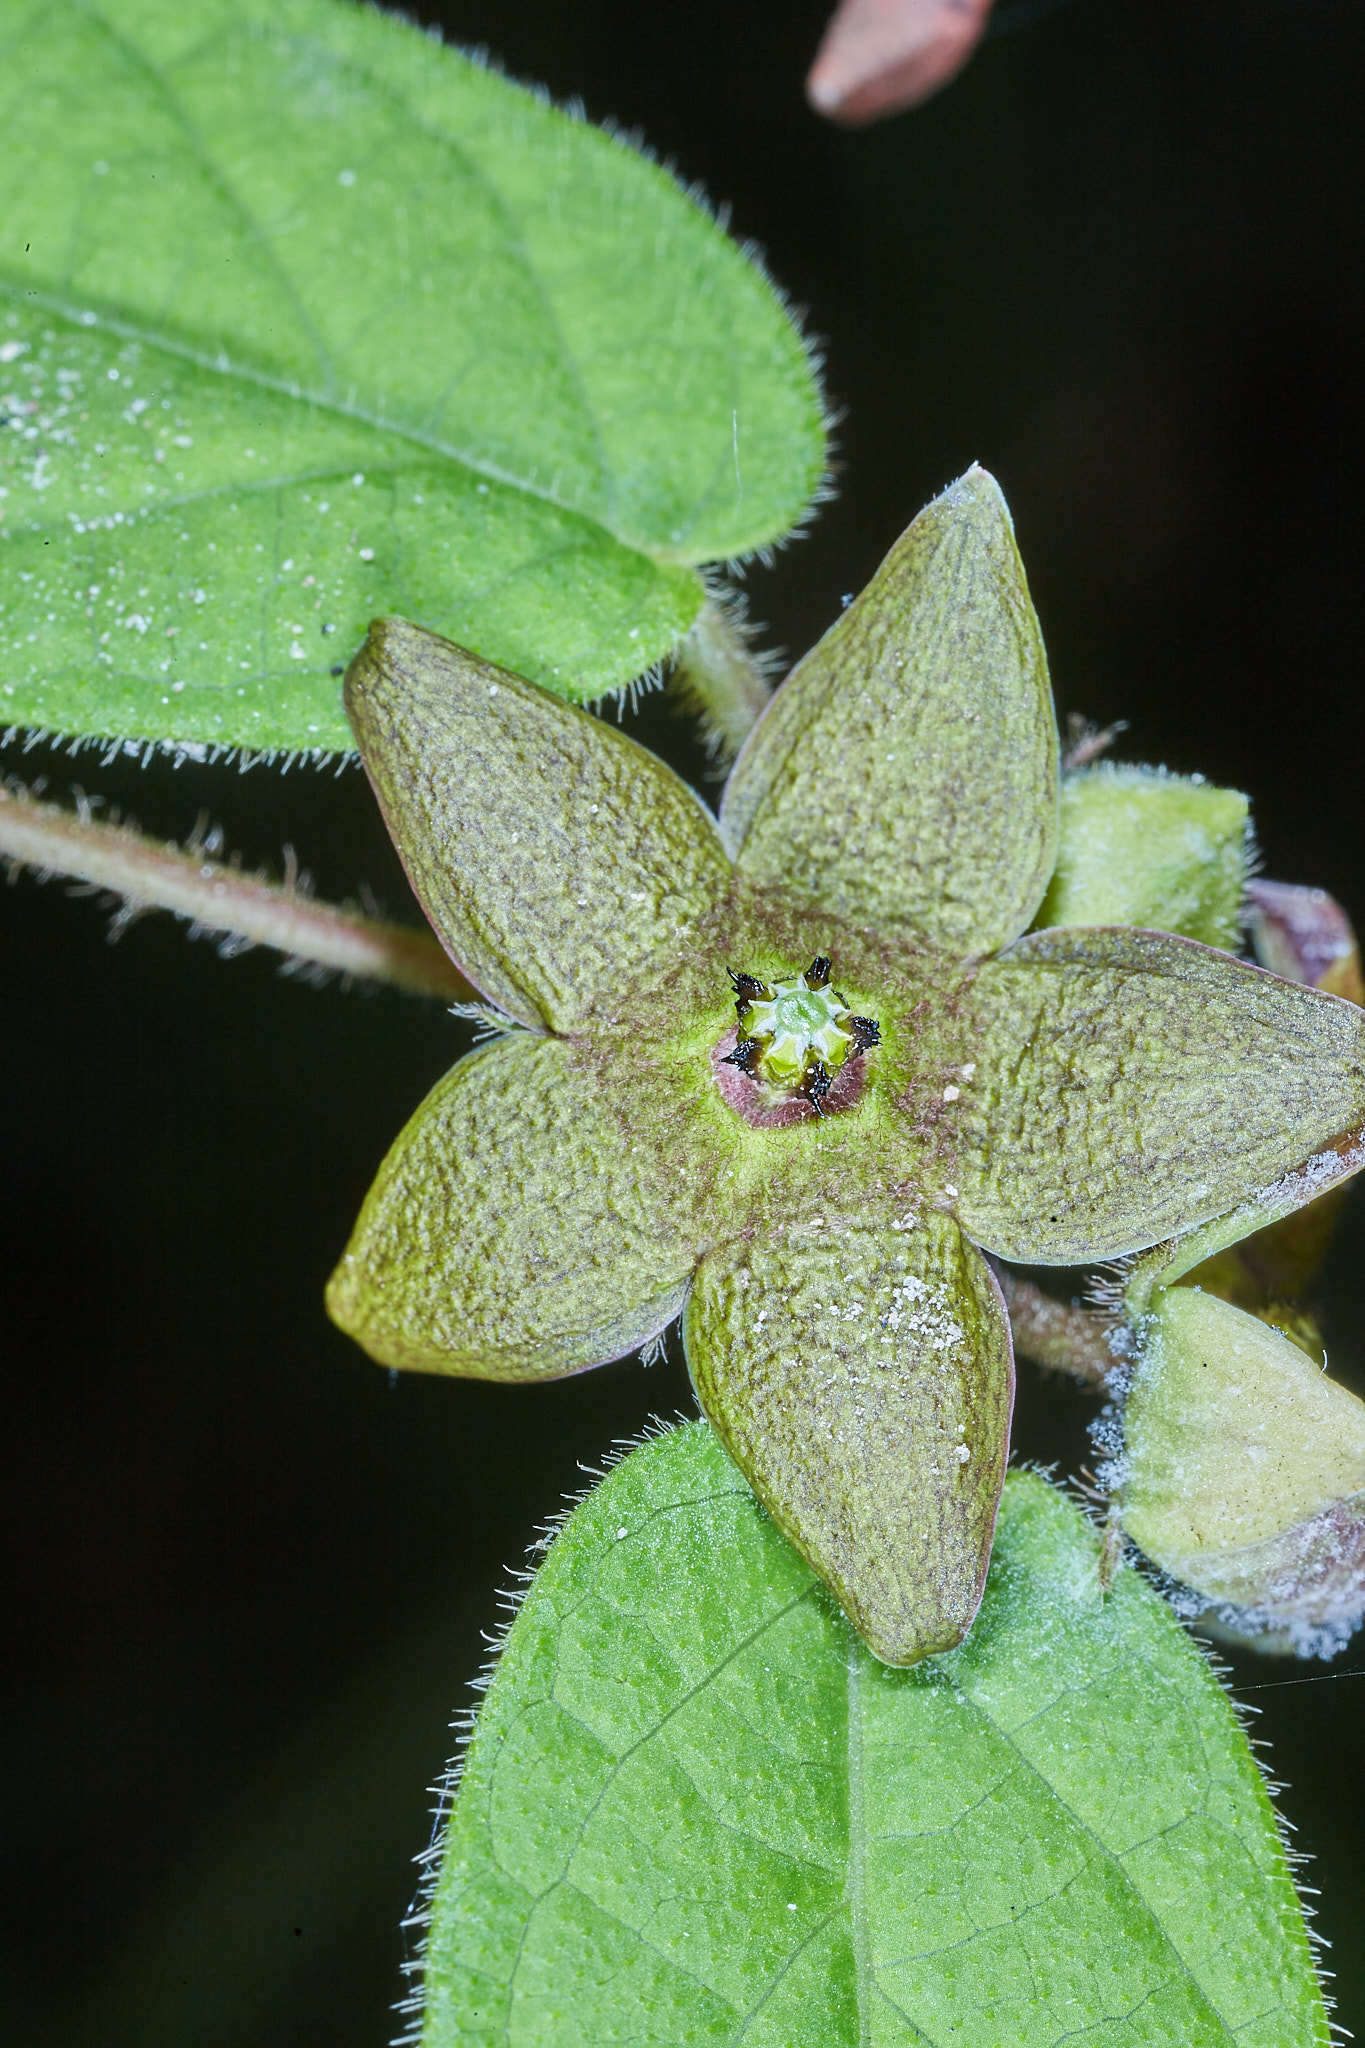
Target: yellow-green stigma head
795	1035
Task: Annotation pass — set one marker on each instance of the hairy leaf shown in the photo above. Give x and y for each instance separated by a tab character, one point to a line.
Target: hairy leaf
695	1809
304	318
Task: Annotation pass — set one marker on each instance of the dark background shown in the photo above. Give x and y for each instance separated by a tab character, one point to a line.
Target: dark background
1119	263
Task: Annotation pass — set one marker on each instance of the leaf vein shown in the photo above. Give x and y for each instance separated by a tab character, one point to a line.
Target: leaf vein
1110	1856
138	61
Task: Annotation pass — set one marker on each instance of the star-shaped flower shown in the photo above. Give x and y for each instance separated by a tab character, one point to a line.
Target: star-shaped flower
886	836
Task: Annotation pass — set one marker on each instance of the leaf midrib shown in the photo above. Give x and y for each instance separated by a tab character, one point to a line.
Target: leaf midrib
329	403
262	380
855	1885
141	63
514	244
866	1981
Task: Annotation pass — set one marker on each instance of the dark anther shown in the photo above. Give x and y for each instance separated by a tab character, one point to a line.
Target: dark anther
865	1032
817	1086
746	987
743	1055
817	974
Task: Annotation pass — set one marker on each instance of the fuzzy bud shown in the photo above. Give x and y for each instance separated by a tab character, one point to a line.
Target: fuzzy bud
1244	1470
1141	847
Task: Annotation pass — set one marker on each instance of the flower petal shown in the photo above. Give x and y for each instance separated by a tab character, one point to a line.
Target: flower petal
511	1233
905	775
553	856
1130	1085
862	1380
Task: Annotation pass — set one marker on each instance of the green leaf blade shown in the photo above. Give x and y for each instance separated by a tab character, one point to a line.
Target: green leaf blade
696	1810
312	244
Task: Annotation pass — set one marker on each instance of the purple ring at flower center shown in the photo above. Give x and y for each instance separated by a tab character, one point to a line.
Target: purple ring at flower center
753	1100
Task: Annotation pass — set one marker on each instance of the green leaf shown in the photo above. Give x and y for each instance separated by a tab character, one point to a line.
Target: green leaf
304	318
695	1809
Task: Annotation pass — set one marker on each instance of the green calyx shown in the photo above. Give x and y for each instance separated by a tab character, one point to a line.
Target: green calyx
796	1035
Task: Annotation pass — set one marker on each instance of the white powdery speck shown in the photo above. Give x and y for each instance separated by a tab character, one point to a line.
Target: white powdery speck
925	1314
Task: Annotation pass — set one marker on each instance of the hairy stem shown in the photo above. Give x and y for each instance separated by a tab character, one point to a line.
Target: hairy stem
717	674
1054	1334
217	897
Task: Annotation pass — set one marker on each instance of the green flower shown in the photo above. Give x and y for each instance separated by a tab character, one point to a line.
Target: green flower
1067	1096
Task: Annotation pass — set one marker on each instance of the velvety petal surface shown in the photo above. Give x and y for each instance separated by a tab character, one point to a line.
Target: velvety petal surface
1130	1085
514	1231
862	1380
905	775
554	857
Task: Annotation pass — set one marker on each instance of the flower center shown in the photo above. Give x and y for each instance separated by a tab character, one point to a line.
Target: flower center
795	1035
798	1011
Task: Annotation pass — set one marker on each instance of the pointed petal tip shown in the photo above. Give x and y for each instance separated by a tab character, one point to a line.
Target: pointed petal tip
396	646
348	1302
383	637
380	650
975	492
339	1300
902	1648
868	1474
389	644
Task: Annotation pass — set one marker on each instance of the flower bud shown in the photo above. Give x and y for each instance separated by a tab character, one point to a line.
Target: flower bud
1305	935
1244	1470
1141	847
